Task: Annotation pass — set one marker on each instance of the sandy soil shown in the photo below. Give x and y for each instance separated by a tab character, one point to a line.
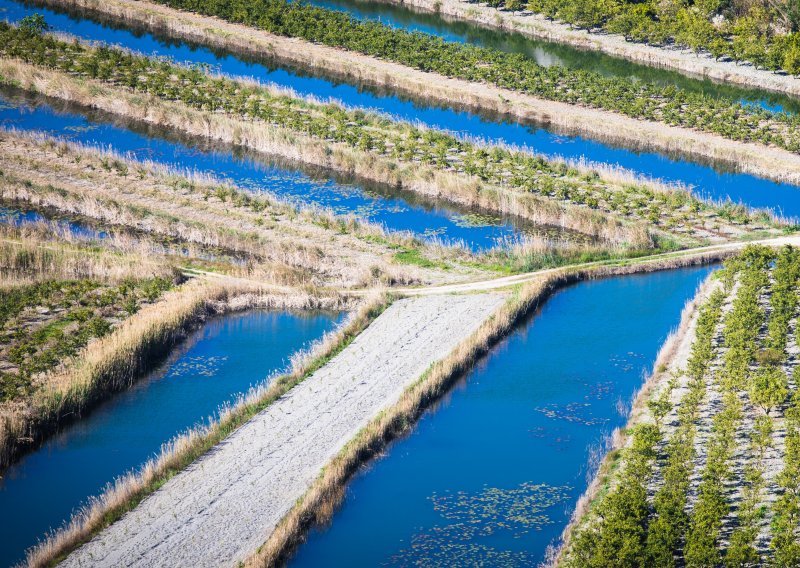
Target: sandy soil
603	125
224	506
679	59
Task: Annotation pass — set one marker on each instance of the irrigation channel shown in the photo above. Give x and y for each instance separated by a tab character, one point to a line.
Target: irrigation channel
491	476
222	359
706	180
309	187
547	53
76	229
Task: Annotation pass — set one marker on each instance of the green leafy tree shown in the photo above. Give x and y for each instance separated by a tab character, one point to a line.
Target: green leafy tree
34	24
769	387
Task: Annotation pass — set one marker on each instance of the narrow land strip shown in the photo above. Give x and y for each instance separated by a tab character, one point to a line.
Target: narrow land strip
223	507
537	26
609	127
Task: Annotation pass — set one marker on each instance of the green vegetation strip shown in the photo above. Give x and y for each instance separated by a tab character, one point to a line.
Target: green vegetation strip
766	34
519	171
787	507
44	324
507	70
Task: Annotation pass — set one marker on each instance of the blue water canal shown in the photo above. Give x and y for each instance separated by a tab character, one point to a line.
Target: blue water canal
491	476
547	53
225	357
22	217
707	180
399	211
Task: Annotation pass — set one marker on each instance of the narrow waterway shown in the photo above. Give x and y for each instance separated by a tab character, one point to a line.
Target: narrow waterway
224	358
491	476
548	53
303	186
21	217
711	181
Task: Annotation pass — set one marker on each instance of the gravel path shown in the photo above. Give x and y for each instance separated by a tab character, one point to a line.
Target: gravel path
225	505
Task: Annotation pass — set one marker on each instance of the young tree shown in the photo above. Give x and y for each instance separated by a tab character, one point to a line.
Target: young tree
34	24
769	387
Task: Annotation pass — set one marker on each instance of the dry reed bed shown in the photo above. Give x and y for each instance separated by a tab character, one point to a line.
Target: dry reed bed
536	26
28	255
605	126
300	247
554	194
279	242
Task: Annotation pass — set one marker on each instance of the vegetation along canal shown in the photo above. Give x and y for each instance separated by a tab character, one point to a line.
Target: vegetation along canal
221	360
550	53
711	181
494	472
400	211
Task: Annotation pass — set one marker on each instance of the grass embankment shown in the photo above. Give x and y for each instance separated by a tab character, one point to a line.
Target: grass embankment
81	319
708	473
126	492
431	162
507	70
59	301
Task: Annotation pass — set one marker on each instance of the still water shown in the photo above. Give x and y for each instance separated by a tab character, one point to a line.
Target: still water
221	360
491	476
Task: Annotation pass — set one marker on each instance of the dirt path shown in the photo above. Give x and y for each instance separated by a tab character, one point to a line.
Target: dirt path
507	281
225	505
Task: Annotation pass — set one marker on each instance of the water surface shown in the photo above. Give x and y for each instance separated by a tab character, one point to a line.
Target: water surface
227	356
548	54
712	181
492	475
302	186
21	217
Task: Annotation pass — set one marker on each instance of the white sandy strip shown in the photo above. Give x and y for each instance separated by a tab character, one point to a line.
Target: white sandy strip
219	510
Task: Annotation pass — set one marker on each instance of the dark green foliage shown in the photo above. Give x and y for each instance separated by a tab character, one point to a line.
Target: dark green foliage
675	532
620	537
62	317
748	30
785	544
33	24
